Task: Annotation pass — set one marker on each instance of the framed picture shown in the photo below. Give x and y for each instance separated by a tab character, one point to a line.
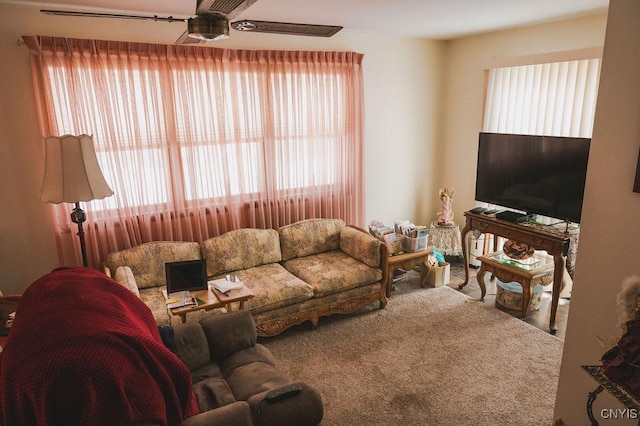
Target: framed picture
636	185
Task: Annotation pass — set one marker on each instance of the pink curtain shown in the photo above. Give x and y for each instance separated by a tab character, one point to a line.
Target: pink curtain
196	141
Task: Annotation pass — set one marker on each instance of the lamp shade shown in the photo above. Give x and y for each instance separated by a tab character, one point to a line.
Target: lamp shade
72	172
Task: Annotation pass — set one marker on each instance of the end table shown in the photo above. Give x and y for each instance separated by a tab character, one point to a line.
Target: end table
407	261
446	239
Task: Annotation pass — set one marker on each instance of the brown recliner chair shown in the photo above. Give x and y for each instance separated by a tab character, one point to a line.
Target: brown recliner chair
84	350
236	377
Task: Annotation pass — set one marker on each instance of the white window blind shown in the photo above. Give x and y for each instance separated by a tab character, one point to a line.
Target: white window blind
554	99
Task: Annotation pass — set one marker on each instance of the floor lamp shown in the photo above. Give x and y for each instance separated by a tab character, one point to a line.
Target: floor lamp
72	174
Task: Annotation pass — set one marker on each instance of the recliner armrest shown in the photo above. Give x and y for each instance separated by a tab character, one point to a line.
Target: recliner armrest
235	414
304	408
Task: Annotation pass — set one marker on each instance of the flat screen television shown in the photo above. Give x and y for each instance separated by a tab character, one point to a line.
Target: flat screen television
542	175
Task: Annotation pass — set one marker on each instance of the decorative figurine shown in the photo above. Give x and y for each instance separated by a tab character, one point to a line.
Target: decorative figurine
445	216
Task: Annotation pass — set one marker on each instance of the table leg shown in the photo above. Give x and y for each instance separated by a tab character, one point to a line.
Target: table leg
558	272
592	397
389	282
465	261
480	277
183	318
526	297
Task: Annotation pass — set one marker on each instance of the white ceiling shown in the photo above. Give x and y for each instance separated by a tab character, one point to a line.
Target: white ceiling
435	19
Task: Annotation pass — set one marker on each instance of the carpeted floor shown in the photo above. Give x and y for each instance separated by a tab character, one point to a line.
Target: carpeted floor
431	357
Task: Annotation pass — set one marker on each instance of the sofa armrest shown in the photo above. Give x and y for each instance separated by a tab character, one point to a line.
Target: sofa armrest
304	408
106	270
124	276
229	333
235	414
361	245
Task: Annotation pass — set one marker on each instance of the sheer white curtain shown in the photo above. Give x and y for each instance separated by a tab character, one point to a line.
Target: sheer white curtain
198	141
553	99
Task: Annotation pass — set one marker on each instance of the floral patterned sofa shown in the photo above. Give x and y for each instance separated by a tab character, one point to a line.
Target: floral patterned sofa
302	271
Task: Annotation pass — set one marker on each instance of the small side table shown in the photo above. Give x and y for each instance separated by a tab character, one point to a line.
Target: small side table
214	299
508	270
446	239
628	400
407	261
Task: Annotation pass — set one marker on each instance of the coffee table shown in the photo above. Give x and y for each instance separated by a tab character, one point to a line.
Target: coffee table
213	299
407	261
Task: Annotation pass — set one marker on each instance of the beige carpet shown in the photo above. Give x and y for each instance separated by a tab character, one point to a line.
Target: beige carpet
431	357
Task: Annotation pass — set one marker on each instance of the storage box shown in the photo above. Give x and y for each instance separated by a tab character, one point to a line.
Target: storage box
439	275
393	243
414	244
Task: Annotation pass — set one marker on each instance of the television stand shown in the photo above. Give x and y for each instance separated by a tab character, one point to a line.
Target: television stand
556	244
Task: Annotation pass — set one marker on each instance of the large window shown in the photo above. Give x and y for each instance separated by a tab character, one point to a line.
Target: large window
223	137
189	137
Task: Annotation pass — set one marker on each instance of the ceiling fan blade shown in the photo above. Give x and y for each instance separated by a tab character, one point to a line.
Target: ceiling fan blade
185	39
285	28
110	15
227	8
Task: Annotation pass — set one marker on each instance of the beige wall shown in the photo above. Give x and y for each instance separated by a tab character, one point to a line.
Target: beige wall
610	237
403	88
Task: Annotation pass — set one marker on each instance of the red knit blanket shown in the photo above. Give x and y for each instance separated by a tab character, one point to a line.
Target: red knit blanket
85	350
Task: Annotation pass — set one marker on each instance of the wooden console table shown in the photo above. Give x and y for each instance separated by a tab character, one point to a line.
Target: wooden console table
556	244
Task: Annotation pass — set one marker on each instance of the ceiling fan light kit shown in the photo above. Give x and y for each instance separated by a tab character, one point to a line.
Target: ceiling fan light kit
208	28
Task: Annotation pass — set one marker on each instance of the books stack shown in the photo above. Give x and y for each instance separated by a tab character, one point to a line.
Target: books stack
387	235
179	299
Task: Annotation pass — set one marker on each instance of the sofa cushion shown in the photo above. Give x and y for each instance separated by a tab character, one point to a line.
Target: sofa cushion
154	299
224	341
257	353
147	260
332	272
210	369
360	245
247	380
241	249
212	392
273	287
191	344
308	237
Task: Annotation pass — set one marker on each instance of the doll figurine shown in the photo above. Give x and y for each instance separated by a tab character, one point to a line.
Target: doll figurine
445	216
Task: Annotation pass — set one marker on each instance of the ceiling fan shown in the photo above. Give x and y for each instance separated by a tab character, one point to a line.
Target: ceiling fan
211	22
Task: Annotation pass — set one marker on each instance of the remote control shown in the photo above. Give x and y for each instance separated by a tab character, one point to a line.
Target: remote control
478	210
283	392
